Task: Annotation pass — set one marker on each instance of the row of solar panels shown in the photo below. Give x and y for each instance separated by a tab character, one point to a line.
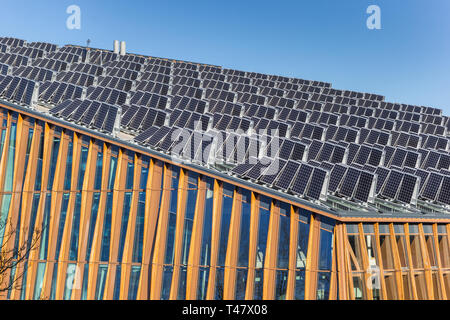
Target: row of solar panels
294	175
315	181
326	91
69	53
18	90
88	113
428	131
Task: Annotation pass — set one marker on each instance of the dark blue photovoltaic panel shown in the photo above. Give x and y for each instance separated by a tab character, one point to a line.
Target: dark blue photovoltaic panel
318	180
349	183
302	180
392	185
285	180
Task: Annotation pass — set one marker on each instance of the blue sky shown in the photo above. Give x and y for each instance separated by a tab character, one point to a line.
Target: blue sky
407	60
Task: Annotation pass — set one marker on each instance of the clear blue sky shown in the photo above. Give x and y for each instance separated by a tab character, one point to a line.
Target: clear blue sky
408	61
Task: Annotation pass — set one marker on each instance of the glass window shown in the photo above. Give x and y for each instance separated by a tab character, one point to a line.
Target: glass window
3	139
92	222
112	173
327	223
53	161
416	251
101	281
428	229
73	252
38	181
281	285
323	285
34	208
62	221
24	281
245	228
54	277
98	171
414	229
300	285
205	254
259	284
144	178
203	276
70	280
39	280
116	295
11	278
45	228
68	177
4	214
283	242
326	243
264	220
27	154
227	206
139	232
386	252
189	216
166	282
219	283
82	169
302	244
383	228
130	176
264	202
134	282
182	283
104	255
170	241
241	283
398	228
85	282
285	208
124	225
10	164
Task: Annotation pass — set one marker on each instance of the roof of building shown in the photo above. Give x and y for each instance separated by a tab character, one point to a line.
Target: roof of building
347	152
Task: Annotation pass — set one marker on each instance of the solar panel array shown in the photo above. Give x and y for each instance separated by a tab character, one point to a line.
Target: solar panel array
299	136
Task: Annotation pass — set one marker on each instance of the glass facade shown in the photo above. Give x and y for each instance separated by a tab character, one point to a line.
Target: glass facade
104	222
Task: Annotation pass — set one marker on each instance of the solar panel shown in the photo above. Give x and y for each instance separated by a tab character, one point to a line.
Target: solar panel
285	179
407	188
272	171
365	187
298	151
242	169
375	158
158	136
432	186
302	179
336	176
393	182
349	183
363	155
146	134
257	170
444	194
318	180
314	149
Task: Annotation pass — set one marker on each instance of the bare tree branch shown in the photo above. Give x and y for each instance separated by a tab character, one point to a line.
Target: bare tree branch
13	255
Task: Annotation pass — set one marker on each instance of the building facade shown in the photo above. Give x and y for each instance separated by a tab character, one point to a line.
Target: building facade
117	221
